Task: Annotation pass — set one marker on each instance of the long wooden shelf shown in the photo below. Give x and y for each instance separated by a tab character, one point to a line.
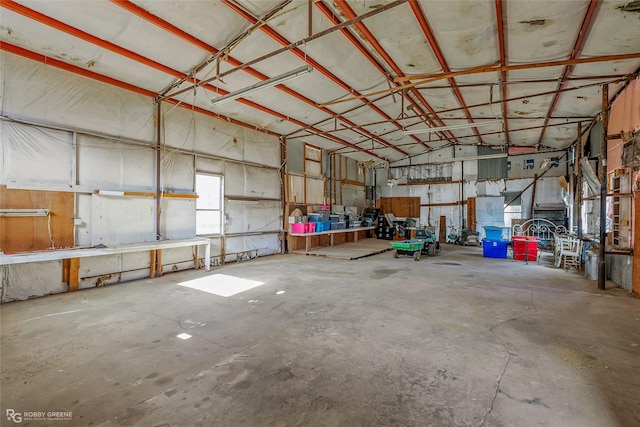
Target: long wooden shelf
331	234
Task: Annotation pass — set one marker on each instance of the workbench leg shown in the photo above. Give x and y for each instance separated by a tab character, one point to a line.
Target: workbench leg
152	266
159	263
355	236
74	267
307	243
196	258
331	239
65	271
207	257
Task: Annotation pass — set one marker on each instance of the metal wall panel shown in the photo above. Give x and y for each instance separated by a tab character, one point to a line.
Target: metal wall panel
491	168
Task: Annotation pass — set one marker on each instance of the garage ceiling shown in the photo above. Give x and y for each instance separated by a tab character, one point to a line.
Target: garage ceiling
524	73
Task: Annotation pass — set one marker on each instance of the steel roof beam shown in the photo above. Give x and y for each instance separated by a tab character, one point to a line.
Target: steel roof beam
426	29
585	28
47	60
502	43
161	23
61	26
8	47
496	133
350	14
315	64
327	12
617	79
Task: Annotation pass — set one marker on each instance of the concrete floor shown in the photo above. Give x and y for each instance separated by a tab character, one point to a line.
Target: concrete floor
454	340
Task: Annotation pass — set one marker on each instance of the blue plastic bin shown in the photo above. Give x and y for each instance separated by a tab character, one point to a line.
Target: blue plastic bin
494	249
494	234
314	217
323	226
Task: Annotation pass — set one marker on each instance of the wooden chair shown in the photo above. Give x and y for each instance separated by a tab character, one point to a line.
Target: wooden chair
570	253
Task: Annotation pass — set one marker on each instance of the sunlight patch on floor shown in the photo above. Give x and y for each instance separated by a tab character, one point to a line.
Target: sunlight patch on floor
221	284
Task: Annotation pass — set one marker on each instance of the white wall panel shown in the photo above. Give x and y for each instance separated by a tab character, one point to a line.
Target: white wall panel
177	172
207	165
315	191
57	97
249	181
25	281
188	130
252	216
353	195
121	220
266	244
296	188
110	165
526	166
83	213
548	192
518	185
32	154
178	219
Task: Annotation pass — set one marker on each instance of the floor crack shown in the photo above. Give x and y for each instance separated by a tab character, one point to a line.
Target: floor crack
504	368
495	394
532	303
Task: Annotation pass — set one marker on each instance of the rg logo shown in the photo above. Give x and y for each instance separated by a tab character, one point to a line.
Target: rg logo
14	416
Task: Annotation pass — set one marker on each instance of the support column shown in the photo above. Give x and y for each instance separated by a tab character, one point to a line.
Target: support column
578	193
635	272
284	195
602	173
158	165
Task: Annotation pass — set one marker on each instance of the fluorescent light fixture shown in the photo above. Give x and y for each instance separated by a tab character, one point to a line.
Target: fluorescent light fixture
263	84
453	127
24	212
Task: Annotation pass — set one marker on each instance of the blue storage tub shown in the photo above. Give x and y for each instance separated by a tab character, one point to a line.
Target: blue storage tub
493	233
323	226
314	217
494	249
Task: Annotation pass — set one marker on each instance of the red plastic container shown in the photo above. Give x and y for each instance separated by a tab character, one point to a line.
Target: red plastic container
311	227
525	248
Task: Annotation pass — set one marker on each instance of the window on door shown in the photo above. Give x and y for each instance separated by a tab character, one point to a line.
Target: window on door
208	205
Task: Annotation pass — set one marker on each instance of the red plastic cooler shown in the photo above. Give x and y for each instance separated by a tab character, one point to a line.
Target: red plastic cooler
525	248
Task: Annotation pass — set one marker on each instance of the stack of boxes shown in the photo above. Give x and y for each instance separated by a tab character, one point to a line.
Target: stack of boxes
493	246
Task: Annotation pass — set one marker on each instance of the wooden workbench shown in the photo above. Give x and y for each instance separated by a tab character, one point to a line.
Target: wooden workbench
326	238
71	257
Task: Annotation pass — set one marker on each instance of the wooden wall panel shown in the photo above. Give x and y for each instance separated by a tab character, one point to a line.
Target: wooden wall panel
401	207
22	234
